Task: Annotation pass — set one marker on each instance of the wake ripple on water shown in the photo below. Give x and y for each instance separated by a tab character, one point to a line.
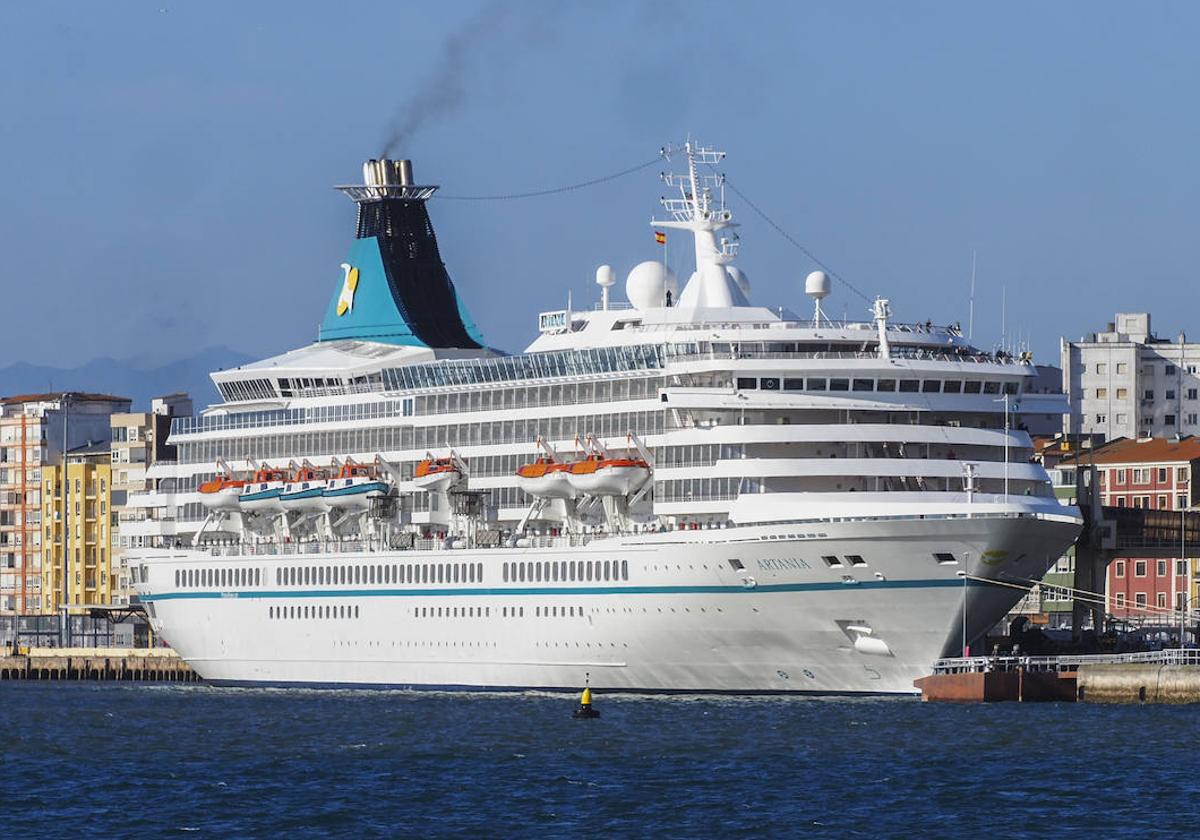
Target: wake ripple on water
247	762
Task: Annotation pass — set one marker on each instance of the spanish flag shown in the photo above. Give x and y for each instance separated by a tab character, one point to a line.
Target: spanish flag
660	237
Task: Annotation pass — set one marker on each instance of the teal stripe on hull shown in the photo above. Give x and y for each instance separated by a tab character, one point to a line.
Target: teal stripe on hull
351	491
492	592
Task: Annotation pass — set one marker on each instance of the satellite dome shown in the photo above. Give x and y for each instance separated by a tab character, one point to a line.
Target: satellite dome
816	285
739	279
605	276
648	283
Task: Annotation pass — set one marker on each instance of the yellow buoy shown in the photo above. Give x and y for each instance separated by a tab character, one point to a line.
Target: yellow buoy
585	709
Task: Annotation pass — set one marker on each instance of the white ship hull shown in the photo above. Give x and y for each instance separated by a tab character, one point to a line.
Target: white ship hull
684	621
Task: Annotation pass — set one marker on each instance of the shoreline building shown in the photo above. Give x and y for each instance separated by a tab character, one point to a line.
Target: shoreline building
31	439
1125	382
86	522
1149	474
139	441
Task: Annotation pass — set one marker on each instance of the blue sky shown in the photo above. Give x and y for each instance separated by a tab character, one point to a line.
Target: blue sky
166	167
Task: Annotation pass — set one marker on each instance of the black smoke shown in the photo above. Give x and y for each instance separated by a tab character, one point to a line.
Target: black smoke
444	91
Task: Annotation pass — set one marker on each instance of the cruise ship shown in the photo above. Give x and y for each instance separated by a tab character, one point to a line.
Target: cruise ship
680	491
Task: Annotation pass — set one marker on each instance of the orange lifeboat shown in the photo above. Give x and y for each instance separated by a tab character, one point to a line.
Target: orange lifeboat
437	474
221	493
261	493
355	486
546	479
597	475
305	490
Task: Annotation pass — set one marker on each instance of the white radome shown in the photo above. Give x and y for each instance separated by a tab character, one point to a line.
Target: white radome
816	285
605	276
648	283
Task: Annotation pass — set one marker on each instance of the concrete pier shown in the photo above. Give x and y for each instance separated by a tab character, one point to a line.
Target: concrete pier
1134	683
98	664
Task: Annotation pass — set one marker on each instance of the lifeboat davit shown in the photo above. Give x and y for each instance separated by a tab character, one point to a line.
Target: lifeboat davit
354	487
305	492
221	493
597	475
436	475
261	493
546	479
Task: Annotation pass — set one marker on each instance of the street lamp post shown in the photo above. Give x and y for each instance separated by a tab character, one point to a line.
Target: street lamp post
964	573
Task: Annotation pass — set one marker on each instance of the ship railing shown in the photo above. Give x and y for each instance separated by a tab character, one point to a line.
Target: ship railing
305	547
896	353
1067	662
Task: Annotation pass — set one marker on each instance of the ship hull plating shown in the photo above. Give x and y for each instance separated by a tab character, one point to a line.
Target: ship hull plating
742	610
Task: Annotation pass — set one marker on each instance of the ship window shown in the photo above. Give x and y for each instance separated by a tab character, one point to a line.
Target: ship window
991	387
554	572
735	564
885	385
793	384
607	570
831	561
747	383
909	386
624	570
441	572
504	572
356	612
457	571
769	383
952	386
1011	388
479	572
521	572
224	578
864	384
944	558
178	579
932	386
855	560
972	386
839	384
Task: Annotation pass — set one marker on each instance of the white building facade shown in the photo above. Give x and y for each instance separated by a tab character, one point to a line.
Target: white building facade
1127	382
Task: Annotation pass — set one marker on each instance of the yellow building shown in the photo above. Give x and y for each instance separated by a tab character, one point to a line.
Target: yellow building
88	523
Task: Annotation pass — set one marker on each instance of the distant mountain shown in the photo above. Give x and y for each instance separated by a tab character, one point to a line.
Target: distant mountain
137	378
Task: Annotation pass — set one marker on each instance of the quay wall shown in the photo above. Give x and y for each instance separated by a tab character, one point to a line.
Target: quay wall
1139	683
97	664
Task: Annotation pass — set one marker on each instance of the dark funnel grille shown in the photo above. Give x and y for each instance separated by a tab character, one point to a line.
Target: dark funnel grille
420	285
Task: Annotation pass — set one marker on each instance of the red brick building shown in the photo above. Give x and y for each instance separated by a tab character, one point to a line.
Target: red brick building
1155	474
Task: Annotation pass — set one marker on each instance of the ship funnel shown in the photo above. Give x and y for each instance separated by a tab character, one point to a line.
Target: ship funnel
394	287
387	173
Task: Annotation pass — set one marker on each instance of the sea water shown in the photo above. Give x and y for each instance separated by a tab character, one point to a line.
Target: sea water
120	760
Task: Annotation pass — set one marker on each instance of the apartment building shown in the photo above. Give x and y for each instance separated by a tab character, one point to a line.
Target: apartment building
1127	382
34	428
1152	474
139	441
79	512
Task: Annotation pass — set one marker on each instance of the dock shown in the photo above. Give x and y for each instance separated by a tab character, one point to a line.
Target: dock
97	664
1163	676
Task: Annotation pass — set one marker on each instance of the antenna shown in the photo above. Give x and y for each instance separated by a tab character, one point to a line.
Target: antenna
971	311
1004	316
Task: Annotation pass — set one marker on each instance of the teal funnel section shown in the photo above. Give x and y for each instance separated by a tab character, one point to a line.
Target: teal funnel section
372	314
384	295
